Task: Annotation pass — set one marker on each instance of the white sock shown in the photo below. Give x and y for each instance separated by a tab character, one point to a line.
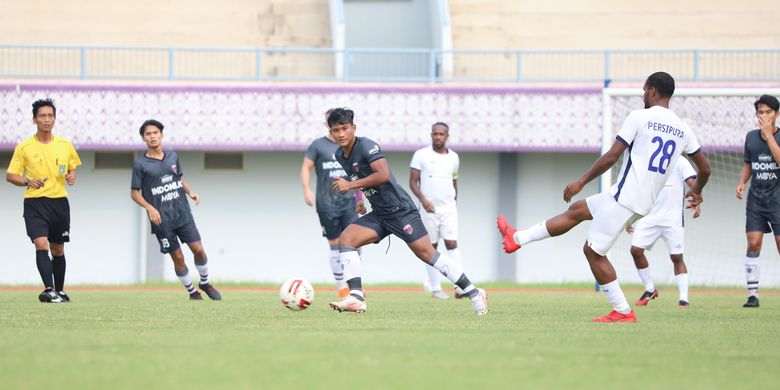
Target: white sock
335	267
434	278
186	281
534	233
454	272
616	297
682	285
203	271
752	273
644	274
352	268
455	255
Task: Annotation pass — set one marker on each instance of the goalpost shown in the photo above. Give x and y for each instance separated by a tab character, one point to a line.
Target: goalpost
715	242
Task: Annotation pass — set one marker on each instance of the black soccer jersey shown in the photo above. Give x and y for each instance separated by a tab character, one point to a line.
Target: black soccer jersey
386	198
763	194
160	184
323	152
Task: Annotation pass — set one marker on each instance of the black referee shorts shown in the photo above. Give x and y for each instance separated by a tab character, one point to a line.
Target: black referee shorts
47	217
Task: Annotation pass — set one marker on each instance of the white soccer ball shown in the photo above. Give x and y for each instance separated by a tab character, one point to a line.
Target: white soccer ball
296	294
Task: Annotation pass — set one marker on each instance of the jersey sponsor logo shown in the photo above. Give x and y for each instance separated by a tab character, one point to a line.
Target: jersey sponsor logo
765	157
664	128
764	167
337	173
766	176
168	191
331	165
166	179
373	150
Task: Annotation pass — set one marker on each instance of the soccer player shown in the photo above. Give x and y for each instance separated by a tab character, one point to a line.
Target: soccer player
665	221
157	186
393	213
43	163
336	210
762	154
653	140
433	178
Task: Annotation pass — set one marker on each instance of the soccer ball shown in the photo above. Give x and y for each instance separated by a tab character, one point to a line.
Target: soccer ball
296	294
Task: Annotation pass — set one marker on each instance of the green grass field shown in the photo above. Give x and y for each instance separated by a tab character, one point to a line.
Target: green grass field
532	338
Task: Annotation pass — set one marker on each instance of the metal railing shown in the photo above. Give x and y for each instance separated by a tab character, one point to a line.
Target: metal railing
404	65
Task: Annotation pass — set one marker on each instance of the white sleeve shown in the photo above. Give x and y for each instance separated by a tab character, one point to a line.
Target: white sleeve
693	145
685	168
630	128
415	164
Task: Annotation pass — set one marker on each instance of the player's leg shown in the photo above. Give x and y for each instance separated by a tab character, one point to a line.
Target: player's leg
59	234
364	230
189	234
674	236
609	220
643	238
432	223
756	226
37	226
579	211
331	229
169	244
449	232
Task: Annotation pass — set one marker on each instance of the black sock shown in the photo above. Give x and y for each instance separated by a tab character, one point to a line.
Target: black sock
45	268
356	284
58	263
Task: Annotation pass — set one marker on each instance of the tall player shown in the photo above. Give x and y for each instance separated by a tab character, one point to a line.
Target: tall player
665	221
336	210
762	211
653	140
43	164
158	186
433	179
393	213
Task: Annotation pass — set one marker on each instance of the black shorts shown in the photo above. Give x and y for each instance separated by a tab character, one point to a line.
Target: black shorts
334	222
169	238
405	224
762	221
47	217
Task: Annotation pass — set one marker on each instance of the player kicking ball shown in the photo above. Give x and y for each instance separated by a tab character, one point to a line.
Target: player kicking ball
159	188
393	213
653	140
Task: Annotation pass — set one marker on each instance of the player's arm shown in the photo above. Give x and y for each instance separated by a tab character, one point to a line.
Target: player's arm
744	176
154	215
380	175
703	167
601	165
188	190
21	181
306	167
696	210
414	185
74	161
455	185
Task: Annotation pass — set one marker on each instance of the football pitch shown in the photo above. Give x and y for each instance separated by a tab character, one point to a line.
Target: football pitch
533	337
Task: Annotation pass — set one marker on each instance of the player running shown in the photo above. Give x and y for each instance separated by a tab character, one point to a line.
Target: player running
393	213
157	186
665	221
652	141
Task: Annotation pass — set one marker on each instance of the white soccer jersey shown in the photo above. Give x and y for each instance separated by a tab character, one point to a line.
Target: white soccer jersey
655	138
437	171
668	207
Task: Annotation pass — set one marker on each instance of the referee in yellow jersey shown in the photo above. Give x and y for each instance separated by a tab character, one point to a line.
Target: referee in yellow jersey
44	163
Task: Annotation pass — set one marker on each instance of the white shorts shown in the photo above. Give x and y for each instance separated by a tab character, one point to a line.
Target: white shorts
441	224
610	218
646	235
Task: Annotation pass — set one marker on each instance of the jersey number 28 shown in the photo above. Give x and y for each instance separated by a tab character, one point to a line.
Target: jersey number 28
666	151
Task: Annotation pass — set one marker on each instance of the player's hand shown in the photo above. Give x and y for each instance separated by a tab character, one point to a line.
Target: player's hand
360	207
740	191
697	211
428	206
694	199
70	177
195	198
308	197
154	215
340	185
571	190
36	183
767	130
630	229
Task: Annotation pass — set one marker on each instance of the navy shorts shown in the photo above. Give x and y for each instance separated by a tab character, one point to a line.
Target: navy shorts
169	238
405	224
47	217
333	223
762	221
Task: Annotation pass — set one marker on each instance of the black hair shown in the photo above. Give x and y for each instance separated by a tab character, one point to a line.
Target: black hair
150	122
446	126
662	82
340	116
43	103
769	100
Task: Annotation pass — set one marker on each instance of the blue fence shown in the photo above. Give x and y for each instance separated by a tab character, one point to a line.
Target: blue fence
410	65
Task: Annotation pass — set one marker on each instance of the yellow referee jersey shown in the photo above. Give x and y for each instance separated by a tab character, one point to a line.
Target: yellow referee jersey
45	161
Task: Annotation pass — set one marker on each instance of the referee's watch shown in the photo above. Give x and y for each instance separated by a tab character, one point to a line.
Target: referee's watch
27	182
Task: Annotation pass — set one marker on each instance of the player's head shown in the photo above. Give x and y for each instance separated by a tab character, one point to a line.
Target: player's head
44	114
767	107
342	128
152	132
327	113
440	132
658	88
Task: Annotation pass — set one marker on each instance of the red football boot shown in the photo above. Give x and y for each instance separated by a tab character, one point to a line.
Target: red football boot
617	317
507	234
